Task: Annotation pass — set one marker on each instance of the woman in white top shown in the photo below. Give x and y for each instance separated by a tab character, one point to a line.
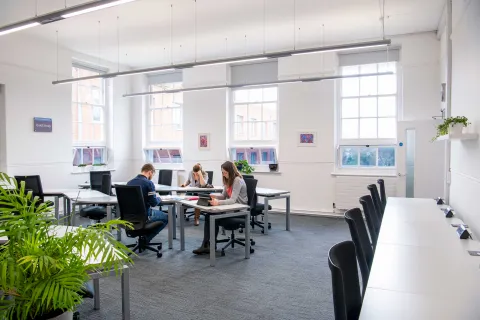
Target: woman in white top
196	178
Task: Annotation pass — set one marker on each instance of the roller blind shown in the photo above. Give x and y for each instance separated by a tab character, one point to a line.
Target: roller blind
254	72
378	56
170	77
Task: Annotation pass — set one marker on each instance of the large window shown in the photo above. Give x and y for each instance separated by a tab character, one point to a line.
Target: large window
88	117
165	120
254	119
368	117
163	155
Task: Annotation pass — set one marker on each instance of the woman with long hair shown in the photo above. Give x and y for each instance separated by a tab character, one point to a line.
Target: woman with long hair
196	178
234	191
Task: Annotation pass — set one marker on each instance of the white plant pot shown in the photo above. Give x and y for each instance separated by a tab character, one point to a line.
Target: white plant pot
64	316
456	129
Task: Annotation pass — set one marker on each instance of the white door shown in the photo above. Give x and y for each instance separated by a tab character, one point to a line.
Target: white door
420	162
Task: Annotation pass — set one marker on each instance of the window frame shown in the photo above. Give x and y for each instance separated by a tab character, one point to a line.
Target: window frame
99	144
145	150
104	156
366	142
159	144
366	168
260	148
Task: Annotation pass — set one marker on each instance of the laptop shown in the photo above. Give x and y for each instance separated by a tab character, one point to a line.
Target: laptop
203	200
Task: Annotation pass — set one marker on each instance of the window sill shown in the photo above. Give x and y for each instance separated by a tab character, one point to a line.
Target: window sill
88	171
364	174
265	172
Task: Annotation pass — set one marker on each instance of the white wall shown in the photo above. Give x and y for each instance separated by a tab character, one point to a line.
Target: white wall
27	68
3	131
465	155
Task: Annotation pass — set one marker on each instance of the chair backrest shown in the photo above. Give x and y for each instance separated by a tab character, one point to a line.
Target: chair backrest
96	178
251	192
107	184
131	205
371	217
210	177
165	177
363	247
347	300
383	194
248	176
33	183
376	200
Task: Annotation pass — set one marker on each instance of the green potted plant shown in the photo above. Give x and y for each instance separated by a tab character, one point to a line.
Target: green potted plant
42	274
453	125
99	166
244	167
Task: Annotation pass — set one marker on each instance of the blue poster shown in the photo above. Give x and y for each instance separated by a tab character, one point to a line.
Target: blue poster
42	124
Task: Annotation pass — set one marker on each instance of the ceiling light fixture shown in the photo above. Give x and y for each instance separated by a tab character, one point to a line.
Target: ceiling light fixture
61	14
256	57
127	73
246	85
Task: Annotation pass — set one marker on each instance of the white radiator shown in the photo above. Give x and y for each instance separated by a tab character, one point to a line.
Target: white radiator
349	188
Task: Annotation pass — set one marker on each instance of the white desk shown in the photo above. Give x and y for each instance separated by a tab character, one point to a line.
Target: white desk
273	194
165	188
421	269
216	212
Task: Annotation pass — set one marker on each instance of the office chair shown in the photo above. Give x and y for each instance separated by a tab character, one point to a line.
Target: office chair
96	178
363	247
376	200
347	300
383	195
371	217
165	178
97	213
232	224
210	177
132	209
34	184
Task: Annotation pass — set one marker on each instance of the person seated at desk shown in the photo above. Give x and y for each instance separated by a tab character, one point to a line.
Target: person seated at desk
150	197
196	178
234	191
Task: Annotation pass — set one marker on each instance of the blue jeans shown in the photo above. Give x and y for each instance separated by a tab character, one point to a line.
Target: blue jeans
156	215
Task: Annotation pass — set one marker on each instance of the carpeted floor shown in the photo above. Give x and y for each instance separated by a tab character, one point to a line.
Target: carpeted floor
286	278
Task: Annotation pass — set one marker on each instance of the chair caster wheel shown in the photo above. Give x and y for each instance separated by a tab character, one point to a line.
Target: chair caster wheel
252	243
159	247
269	225
187	219
222	253
252	250
241	230
263	231
159	254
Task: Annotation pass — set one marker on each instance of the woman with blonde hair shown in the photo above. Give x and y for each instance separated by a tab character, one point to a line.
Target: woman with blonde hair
196	178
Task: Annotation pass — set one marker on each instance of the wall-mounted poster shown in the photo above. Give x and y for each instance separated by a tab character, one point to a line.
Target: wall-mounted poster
204	141
307	139
42	124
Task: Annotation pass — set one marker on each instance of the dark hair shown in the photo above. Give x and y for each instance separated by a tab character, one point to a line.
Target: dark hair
230	167
148	167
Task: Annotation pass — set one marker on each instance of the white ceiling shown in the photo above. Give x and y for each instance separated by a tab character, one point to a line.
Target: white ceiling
224	27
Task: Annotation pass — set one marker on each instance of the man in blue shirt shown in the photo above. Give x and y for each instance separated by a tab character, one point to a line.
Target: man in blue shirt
150	197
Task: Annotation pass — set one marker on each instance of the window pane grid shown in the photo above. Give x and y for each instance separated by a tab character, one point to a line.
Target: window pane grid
367	157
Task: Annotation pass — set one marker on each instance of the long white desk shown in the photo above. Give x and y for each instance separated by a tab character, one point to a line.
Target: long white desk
421	269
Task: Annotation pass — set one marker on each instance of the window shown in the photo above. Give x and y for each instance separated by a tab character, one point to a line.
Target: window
163	155
259	108
255	156
89	156
367	157
88	108
165	121
367	127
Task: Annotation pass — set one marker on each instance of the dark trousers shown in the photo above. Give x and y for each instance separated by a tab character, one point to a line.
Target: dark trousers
206	229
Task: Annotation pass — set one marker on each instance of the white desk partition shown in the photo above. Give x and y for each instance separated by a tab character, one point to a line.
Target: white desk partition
421	269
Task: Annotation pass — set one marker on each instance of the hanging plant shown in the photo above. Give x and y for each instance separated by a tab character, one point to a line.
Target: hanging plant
443	128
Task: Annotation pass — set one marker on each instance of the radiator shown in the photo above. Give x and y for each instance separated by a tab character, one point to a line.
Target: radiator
349	188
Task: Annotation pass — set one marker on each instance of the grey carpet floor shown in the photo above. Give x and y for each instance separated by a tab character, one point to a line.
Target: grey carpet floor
286	278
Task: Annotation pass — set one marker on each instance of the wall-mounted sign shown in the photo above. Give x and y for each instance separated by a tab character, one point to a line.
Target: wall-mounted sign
42	124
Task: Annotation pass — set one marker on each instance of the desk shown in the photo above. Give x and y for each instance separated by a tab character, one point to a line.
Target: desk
216	213
57	194
165	188
421	269
95	274
272	194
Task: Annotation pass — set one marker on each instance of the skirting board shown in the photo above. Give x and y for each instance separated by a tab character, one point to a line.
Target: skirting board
323	213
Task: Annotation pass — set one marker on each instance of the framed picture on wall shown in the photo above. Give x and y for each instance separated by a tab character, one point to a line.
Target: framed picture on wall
204	141
307	139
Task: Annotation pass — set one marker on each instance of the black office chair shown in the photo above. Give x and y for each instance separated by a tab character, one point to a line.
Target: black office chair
258	210
363	247
132	209
376	200
96	179
210	177
372	220
383	194
97	213
165	177
236	223
347	300
34	184
248	176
